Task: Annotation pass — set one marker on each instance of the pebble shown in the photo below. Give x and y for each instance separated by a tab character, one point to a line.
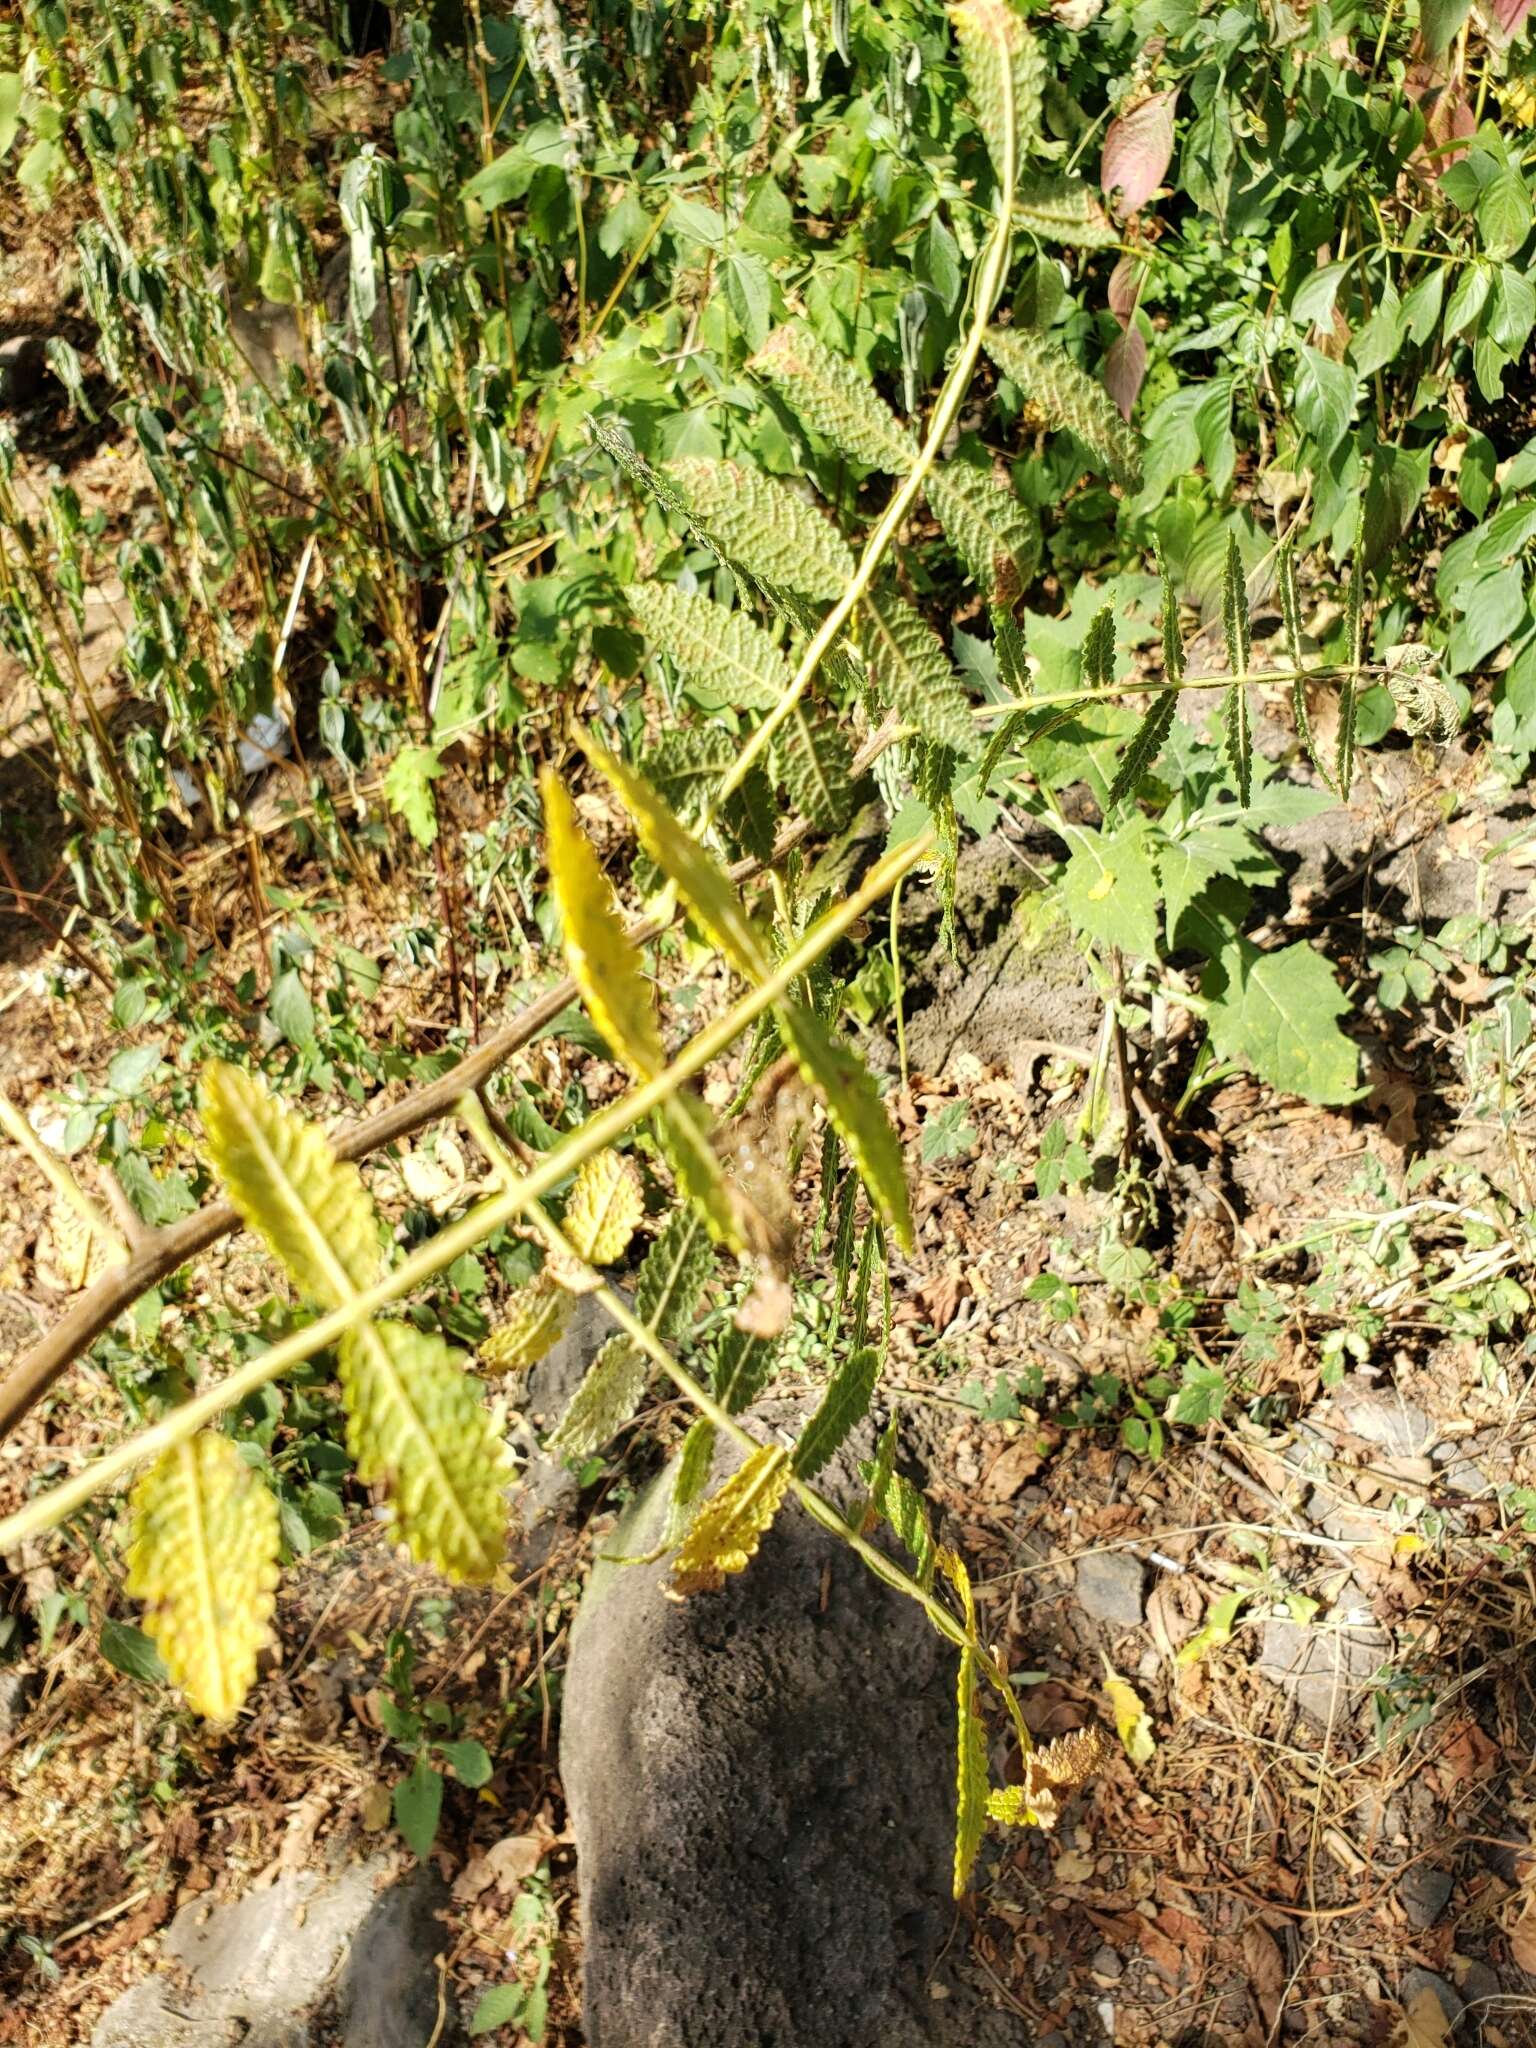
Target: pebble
1415	1981
1111	1588
1425	1893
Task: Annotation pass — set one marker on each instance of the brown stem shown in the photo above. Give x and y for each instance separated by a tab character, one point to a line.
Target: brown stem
161	1251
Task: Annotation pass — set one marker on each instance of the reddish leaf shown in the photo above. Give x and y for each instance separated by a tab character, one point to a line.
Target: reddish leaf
1510	15
1137	152
1448	118
1124	368
1125	288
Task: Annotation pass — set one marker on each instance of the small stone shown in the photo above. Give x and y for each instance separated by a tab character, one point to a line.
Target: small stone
1478	1985
1107	1966
1425	1893
1416	1981
1327	1665
1110	1588
1380	1415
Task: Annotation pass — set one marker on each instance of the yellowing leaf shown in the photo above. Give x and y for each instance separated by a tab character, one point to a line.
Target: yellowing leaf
732	1523
415	1420
1133	1724
202	1557
699	876
536	1315
852	1102
609	1394
1219	1619
289	1186
604	961
1061	1766
605	1205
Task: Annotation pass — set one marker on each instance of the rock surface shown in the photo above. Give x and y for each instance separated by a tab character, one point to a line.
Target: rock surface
761	1787
310	1960
1111	1586
1327	1664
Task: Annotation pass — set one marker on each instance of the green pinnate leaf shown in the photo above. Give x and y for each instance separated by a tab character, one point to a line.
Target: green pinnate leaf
690	1477
1068	397
1098	659
1064	210
913	675
971	1781
1003	65
416	1422
744	1364
850	1098
776	535
609	1395
604	961
994	533
834	398
812	757
843	1407
535	1318
1147	743
724	654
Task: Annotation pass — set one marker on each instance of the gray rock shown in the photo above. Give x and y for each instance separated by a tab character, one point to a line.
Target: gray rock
1111	1587
1380	1415
1415	1981
309	1960
1425	1893
1326	1664
1480	1988
761	1792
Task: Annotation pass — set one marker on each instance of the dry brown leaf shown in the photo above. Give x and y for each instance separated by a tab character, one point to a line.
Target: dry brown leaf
506	1864
1421	2023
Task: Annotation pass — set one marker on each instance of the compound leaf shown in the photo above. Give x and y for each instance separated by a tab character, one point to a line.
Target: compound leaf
202	1556
288	1185
994	533
814	764
1064	210
415	1420
996	46
732	1523
610	1392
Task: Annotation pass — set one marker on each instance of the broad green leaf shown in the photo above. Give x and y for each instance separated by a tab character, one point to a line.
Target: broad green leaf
732	1523
416	1422
1068	397
678	854
202	1556
609	1395
998	50
850	1098
604	961
408	790
604	1208
829	394
775	534
913	675
418	1805
1276	1013
469	1761
1109	887
843	1406
536	1315
1325	398
725	655
1213	849
10	109
131	1651
498	2007
288	1185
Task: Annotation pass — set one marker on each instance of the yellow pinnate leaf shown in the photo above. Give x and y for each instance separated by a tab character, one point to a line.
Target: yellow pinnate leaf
1133	1724
416	1422
604	962
732	1523
288	1185
604	1208
613	1388
852	1101
699	876
535	1317
202	1556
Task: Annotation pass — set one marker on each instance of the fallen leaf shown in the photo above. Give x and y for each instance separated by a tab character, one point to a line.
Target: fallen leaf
506	1864
1421	2023
1133	1724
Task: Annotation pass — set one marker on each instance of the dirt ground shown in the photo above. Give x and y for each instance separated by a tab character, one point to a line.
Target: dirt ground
1319	1588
